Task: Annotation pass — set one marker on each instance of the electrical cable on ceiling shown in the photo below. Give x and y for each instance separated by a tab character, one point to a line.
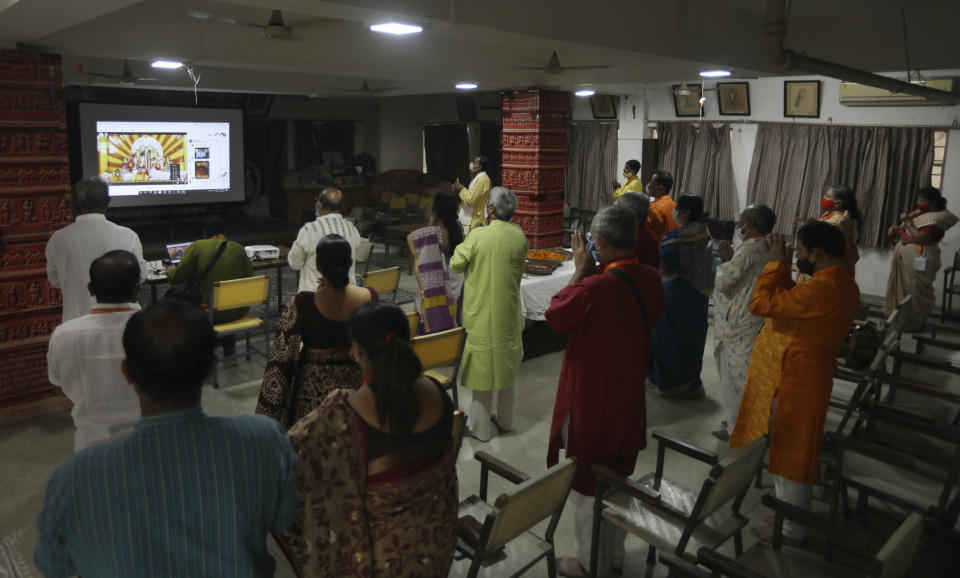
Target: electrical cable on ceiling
196	80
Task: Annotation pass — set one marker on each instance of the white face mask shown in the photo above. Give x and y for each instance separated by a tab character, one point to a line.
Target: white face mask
472	169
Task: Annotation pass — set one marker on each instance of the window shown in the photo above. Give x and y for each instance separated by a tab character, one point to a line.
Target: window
939	156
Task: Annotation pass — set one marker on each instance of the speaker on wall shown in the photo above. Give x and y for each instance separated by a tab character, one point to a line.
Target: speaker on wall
466	108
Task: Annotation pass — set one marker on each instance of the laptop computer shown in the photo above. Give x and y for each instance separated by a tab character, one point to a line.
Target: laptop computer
175	251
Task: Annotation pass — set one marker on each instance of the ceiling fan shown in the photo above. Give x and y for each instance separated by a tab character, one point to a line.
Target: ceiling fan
275	28
553	66
365	89
125	77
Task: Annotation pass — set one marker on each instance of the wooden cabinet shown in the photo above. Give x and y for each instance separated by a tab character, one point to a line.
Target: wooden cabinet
300	199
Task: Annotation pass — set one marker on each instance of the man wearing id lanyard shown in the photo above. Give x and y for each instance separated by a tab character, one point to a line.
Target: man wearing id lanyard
85	353
600	413
475	197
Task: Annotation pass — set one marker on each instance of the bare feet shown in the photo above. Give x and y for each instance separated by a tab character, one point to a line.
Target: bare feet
570	566
765	534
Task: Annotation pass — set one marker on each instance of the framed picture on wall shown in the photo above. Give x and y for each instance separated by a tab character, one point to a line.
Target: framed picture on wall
687	104
734	98
603	105
801	98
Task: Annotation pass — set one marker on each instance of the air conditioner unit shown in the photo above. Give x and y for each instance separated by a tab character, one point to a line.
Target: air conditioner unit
852	94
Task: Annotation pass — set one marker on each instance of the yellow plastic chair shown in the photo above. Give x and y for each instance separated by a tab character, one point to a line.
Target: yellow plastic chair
385	198
441	349
383	281
413	318
234	294
413	200
398	203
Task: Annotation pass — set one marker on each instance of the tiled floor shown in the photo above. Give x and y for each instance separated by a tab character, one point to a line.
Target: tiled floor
30	451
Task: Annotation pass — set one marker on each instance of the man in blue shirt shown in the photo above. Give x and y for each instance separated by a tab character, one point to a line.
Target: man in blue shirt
183	495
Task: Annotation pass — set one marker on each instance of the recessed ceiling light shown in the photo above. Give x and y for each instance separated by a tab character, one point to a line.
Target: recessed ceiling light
396	28
466	85
168	64
715	73
586	92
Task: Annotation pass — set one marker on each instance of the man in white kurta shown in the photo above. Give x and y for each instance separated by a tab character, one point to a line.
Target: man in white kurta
492	259
735	328
85	354
70	250
329	221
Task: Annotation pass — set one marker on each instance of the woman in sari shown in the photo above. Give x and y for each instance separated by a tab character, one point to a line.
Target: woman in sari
376	472
840	209
437	302
297	379
916	256
679	337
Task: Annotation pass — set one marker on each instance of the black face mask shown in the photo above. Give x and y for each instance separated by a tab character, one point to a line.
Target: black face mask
805	266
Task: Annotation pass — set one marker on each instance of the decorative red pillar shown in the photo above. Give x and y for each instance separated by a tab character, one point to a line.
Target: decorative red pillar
534	161
35	200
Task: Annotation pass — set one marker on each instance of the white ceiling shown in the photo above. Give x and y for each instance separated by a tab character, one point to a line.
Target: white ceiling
642	40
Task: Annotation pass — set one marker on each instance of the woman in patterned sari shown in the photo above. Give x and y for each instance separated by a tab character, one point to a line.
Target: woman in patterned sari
840	209
431	247
916	256
679	337
298	378
376	472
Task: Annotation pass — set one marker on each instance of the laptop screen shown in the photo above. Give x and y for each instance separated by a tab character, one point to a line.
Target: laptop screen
175	252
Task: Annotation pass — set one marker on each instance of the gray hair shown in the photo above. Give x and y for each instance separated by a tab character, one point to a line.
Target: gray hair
504	203
91	195
617	225
638	203
761	217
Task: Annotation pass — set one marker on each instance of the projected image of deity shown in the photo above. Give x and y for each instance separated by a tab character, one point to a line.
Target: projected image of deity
137	158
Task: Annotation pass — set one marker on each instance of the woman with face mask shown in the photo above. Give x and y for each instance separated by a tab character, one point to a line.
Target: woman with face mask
840	209
916	256
687	269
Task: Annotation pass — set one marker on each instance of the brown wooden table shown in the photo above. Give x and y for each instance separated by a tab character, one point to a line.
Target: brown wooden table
402	230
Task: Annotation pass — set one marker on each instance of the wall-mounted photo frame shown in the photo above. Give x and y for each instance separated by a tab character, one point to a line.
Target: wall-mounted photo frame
801	98
734	98
603	106
687	104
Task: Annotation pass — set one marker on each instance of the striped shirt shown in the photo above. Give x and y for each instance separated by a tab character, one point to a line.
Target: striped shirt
183	495
303	253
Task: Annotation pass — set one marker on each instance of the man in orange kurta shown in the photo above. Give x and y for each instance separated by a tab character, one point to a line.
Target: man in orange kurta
819	313
660	220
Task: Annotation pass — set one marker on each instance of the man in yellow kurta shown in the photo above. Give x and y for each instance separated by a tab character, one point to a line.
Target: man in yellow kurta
632	184
492	259
474	198
820	312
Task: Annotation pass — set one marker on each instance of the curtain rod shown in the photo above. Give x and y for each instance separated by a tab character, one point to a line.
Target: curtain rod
787	122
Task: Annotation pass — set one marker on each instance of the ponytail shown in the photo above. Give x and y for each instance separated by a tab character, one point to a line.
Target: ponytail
445	208
383	332
395	369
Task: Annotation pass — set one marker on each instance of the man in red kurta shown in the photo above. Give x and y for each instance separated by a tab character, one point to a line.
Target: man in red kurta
821	310
646	248
600	411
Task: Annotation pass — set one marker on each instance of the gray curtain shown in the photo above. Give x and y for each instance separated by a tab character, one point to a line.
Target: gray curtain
591	164
794	163
699	157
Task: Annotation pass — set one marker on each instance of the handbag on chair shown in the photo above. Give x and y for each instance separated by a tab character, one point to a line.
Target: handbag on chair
190	290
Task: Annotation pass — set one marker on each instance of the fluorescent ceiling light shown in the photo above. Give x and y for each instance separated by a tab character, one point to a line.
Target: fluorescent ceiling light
168	64
396	28
715	73
586	92
466	85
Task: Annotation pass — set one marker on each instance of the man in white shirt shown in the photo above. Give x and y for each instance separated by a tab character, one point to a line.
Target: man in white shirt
303	253
85	353
72	249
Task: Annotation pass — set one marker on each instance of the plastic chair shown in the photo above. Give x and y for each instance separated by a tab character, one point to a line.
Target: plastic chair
505	546
364	250
441	349
234	294
949	288
669	516
383	281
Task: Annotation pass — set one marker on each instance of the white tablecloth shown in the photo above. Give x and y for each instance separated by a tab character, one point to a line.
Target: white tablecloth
537	290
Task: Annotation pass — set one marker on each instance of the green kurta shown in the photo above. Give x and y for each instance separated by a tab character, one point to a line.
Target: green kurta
492	260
